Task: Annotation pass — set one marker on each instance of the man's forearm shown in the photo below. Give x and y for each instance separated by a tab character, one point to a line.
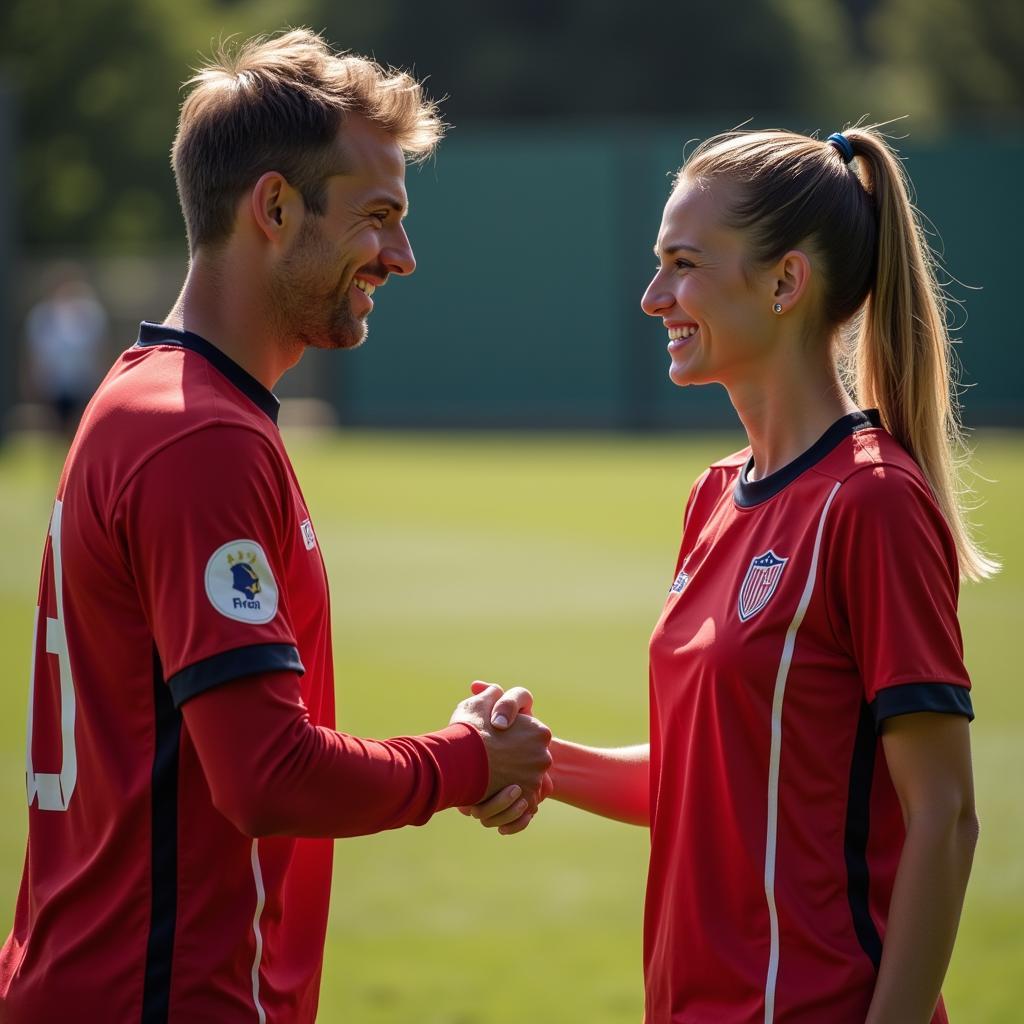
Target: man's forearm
272	772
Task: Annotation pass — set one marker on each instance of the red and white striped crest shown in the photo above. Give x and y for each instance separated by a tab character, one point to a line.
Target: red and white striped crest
759	584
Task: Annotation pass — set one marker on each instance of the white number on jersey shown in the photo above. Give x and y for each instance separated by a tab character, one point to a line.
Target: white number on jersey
54	790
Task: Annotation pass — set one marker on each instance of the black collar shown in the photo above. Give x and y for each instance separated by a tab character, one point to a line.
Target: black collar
752	492
161	334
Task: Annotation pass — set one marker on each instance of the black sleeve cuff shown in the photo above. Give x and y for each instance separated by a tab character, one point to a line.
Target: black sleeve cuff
944	698
222	668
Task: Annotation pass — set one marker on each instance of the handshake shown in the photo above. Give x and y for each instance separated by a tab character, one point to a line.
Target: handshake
517	755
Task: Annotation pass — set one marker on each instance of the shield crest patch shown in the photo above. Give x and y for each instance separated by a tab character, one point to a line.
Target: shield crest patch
759	584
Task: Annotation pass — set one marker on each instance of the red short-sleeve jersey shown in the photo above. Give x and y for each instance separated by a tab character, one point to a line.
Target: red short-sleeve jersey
180	556
807	607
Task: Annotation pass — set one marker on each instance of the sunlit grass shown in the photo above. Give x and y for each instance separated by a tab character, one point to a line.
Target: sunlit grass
540	560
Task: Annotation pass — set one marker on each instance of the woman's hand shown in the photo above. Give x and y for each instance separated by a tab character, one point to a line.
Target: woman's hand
508	810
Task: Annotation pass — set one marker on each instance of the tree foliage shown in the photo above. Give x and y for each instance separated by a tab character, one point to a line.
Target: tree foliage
96	82
95	86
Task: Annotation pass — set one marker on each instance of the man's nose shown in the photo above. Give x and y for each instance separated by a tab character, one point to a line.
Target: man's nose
398	257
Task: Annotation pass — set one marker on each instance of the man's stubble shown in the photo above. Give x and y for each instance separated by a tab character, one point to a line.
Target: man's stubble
307	299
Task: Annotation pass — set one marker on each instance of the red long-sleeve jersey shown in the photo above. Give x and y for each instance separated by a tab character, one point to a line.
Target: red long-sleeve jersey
181	722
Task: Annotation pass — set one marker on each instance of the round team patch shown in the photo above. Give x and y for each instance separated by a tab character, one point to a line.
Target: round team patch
239	582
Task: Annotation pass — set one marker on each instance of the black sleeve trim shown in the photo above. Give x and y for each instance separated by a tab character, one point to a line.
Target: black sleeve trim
222	668
944	698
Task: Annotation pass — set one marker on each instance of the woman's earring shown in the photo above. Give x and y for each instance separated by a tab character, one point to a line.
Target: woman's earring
777	308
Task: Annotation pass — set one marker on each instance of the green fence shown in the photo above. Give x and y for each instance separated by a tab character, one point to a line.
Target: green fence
534	247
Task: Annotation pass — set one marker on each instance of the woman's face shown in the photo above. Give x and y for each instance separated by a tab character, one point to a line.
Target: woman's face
715	304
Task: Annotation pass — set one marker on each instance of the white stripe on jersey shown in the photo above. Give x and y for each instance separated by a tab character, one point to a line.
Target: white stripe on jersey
773	766
261	898
696	494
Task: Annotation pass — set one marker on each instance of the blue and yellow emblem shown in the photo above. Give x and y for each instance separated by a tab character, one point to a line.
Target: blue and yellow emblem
239	582
245	580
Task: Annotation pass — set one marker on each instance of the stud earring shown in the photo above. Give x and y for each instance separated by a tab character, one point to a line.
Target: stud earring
777	308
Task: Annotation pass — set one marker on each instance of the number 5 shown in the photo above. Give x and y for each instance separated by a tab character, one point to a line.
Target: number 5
54	790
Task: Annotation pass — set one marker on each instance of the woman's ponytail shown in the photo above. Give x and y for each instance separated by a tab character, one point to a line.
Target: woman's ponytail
902	363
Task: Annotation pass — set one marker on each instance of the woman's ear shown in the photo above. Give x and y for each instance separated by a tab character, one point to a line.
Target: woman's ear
791	278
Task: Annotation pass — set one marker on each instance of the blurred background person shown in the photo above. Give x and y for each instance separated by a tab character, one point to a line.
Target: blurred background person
65	337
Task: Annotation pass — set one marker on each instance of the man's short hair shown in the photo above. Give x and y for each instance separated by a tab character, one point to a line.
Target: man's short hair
277	104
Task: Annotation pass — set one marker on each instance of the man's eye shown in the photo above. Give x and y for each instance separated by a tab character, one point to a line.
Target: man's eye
683	265
381	215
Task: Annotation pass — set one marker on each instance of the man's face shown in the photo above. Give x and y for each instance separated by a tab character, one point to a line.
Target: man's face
323	285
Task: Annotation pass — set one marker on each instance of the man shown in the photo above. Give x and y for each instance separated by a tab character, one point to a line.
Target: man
181	712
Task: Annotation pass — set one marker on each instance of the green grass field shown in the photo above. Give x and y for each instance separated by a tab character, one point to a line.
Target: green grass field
543	561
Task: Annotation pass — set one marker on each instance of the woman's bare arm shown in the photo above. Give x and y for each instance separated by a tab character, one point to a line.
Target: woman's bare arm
929	759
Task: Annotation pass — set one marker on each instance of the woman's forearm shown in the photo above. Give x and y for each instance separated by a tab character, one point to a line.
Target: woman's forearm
923	917
612	782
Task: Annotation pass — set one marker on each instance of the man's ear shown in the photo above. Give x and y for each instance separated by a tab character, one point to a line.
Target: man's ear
791	278
275	207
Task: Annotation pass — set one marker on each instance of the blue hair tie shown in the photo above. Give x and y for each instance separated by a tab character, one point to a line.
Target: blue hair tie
842	143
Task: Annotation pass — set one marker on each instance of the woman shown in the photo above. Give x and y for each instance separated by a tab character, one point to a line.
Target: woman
810	794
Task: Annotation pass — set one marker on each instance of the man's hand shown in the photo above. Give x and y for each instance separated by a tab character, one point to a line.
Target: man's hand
508	810
516	742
